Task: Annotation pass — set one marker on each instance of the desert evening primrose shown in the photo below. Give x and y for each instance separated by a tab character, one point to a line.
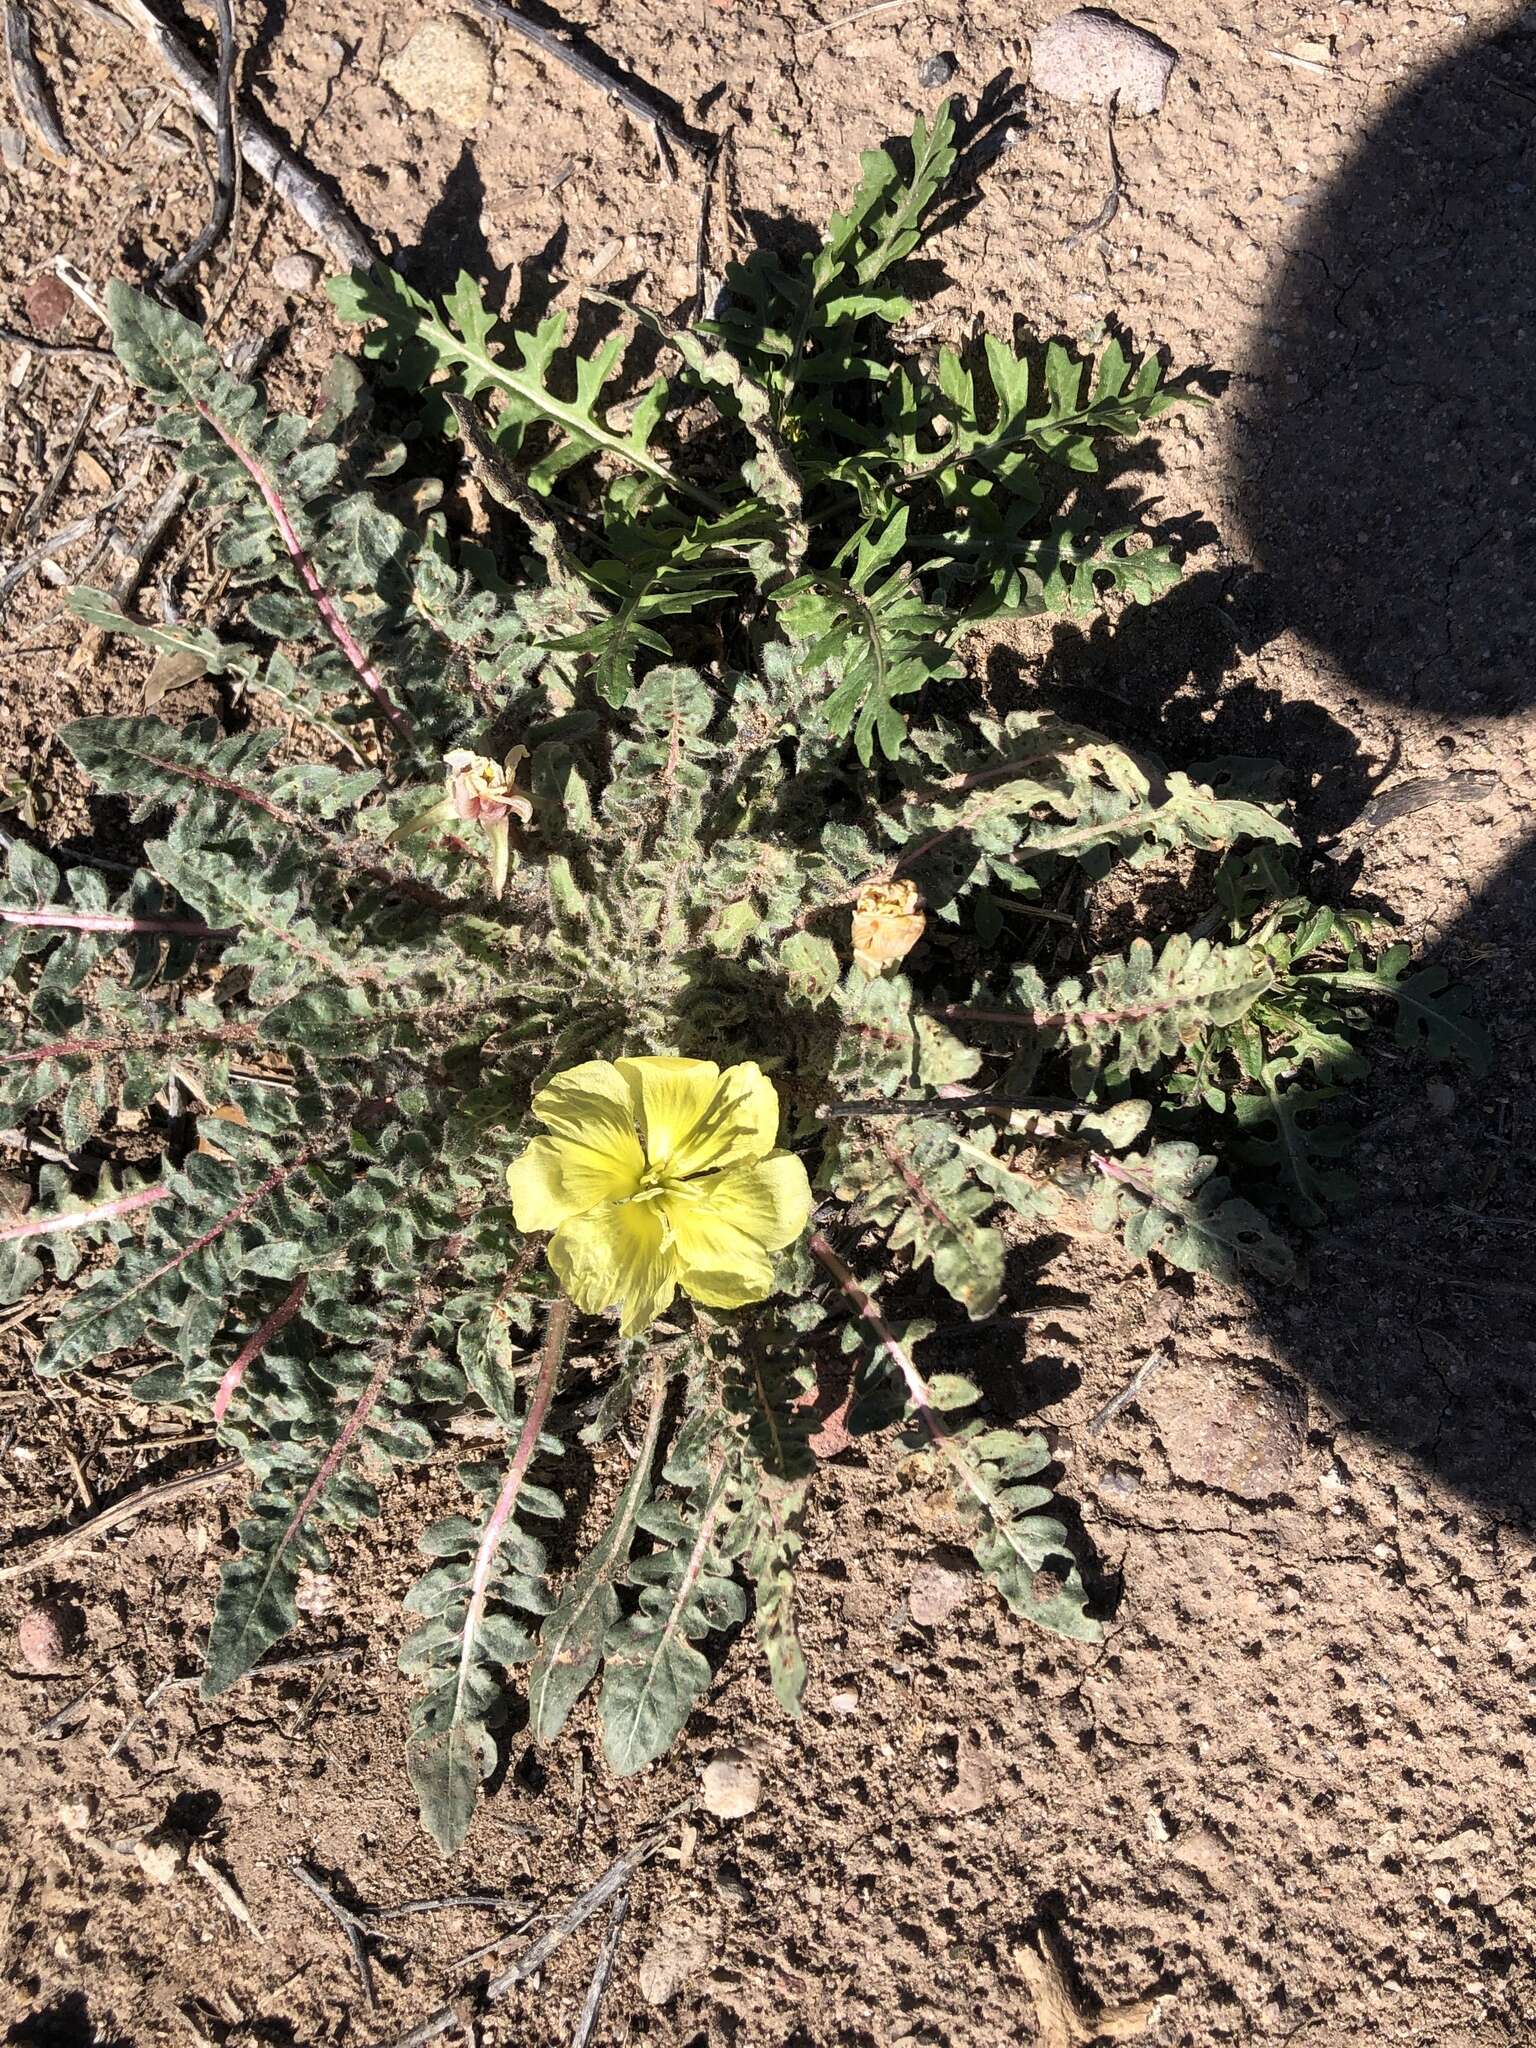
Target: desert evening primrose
660	1173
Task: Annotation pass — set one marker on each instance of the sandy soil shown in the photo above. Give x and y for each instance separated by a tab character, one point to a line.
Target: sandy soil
1292	1794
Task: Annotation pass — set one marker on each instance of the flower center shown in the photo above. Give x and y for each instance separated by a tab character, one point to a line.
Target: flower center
657	1181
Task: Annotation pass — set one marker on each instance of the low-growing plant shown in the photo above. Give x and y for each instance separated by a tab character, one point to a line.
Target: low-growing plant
647	875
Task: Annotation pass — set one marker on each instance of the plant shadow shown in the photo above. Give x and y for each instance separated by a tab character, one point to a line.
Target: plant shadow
1388	498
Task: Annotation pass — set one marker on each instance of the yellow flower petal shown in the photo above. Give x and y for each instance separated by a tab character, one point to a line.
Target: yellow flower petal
694	1119
616	1255
770	1200
669	1098
592	1104
557	1178
724	1225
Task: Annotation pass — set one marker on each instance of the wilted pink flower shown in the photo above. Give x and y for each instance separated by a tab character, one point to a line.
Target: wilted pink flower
481	792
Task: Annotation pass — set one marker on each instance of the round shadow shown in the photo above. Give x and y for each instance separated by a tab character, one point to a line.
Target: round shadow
1386	454
1385	459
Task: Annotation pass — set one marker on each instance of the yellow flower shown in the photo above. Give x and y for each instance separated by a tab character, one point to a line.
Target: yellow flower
887	923
660	1174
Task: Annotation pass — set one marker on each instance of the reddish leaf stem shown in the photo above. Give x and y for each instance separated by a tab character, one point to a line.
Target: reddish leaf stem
869	1311
104	921
1053	1020
556	1330
252	1349
330	612
966	1473
82	1048
78	1219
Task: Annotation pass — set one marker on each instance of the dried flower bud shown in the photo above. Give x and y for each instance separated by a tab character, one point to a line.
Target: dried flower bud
888	921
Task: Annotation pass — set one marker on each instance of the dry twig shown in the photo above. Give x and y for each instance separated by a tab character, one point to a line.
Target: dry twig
39	511
825	28
614	1879
946	1105
19	337
227	168
272	163
1153	1362
119	1512
354	1929
648	106
602	1972
28	86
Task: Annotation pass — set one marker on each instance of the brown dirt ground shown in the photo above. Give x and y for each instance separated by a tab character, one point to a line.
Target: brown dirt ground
1293	1791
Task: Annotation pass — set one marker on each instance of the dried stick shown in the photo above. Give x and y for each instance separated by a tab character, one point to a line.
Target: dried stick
825	28
79	1219
602	1972
252	1349
224	177
18	337
117	1514
280	1667
868	1309
647	105
455	1902
1469	1282
1153	1362
272	163
614	1879
66	462
107	921
28	85
55	544
353	1927
946	1106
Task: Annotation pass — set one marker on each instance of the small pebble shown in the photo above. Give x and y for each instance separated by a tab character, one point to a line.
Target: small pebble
298	274
1091	54
47	300
844	1703
732	1786
160	1861
48	1635
939	70
445	69
680	1953
934	1593
13	148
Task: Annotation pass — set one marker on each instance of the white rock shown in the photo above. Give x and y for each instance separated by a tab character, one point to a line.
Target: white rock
934	1593
732	1786
160	1861
445	69
298	274
1091	54
669	1962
